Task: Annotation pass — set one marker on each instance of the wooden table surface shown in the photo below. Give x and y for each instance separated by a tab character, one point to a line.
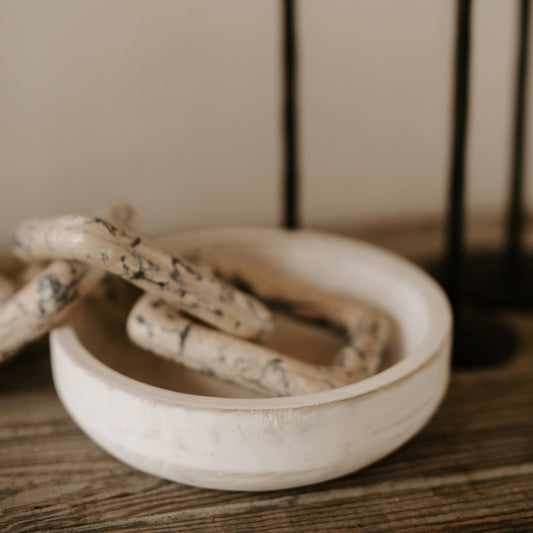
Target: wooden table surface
470	469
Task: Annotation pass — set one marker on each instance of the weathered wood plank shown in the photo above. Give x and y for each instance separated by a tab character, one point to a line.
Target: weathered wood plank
470	469
479	445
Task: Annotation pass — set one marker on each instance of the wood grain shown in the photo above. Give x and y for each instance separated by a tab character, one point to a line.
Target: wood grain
470	469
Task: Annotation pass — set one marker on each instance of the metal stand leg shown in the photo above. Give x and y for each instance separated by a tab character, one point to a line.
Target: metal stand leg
290	116
480	337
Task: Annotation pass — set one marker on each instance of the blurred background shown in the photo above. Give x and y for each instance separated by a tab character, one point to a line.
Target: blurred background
175	106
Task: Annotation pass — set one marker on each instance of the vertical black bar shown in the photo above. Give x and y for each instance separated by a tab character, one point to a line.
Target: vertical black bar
515	215
290	116
455	215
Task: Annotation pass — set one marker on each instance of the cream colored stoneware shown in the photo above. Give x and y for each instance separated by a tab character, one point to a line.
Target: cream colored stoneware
187	427
106	245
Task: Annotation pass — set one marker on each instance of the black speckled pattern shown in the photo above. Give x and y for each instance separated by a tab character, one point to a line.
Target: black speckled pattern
101	243
156	326
49	294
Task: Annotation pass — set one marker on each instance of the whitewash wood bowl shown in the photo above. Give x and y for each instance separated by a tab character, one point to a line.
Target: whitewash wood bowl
191	428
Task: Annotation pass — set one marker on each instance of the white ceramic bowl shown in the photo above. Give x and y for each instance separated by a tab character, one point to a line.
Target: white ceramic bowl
176	424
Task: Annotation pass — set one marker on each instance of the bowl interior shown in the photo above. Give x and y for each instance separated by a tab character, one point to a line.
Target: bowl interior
340	265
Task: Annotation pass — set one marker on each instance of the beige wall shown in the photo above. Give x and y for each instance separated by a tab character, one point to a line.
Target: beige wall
174	106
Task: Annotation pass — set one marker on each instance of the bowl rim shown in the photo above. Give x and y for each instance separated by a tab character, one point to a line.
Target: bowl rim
437	337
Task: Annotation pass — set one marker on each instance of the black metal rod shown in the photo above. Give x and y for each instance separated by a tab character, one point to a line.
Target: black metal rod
455	215
290	116
515	215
